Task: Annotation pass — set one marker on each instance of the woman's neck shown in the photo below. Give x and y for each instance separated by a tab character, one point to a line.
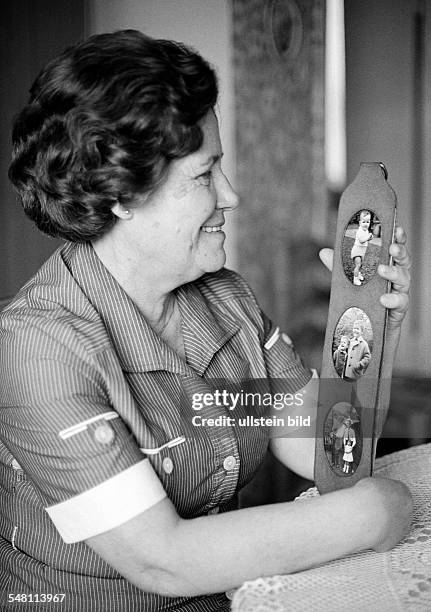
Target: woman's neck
153	295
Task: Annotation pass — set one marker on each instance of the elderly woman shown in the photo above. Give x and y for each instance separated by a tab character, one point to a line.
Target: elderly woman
113	499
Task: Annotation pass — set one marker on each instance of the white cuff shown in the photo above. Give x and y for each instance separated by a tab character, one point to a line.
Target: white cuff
108	504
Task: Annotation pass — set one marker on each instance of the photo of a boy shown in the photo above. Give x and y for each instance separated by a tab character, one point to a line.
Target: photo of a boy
361	247
358	354
340	355
362	238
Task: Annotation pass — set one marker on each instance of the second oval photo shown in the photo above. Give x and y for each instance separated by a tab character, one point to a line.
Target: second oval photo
352	344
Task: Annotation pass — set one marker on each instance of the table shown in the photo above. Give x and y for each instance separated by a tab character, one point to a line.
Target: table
399	579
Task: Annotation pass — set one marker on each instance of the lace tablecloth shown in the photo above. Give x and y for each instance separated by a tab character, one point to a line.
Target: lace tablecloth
399	579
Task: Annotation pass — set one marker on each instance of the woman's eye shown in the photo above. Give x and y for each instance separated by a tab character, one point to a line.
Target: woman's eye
205	178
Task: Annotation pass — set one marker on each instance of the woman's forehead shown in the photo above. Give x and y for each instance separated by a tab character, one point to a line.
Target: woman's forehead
211	145
209	152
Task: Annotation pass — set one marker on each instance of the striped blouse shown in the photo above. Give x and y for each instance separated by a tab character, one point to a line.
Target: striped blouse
97	424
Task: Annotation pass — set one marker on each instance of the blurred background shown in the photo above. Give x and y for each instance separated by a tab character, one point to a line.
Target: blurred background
309	89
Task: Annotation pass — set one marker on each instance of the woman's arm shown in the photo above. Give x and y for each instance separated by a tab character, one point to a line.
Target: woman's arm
294	446
160	552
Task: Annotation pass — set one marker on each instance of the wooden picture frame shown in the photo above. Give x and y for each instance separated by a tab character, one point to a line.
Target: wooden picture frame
351	389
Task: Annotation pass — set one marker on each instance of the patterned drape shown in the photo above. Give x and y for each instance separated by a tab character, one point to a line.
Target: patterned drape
285	214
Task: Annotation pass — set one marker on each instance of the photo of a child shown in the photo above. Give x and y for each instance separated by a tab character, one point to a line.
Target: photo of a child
340	355
362	238
349	442
361	247
358	353
352	344
343	440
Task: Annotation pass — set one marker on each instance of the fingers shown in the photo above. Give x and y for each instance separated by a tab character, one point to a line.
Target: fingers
397	275
398	302
398	250
400	235
327	258
400	255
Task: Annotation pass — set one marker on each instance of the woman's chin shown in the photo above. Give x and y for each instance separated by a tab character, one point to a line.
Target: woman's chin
213	263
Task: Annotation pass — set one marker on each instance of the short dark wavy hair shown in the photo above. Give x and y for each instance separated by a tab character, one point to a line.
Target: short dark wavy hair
103	122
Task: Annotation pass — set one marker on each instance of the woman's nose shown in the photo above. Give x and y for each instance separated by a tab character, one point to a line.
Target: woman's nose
227	197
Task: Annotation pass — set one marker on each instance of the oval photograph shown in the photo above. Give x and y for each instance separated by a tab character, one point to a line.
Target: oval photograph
343	438
361	247
352	344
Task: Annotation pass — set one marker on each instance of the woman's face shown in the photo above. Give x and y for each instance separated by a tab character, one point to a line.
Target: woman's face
177	228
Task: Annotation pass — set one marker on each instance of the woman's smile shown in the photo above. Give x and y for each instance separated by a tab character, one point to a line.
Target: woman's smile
209	229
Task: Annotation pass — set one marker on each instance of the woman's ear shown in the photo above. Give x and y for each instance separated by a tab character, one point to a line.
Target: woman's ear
121	212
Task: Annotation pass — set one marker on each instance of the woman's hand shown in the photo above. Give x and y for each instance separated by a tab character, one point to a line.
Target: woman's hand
397	301
398	273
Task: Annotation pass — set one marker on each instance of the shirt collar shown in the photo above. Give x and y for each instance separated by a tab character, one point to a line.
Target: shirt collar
206	328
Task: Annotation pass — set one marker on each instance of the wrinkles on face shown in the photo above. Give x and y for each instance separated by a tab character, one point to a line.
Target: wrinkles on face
183	188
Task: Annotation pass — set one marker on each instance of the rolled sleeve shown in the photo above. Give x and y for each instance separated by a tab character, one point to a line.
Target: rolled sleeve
75	448
283	364
108	504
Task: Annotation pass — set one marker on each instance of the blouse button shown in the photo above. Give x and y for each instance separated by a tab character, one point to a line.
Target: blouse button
168	465
104	434
229	463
